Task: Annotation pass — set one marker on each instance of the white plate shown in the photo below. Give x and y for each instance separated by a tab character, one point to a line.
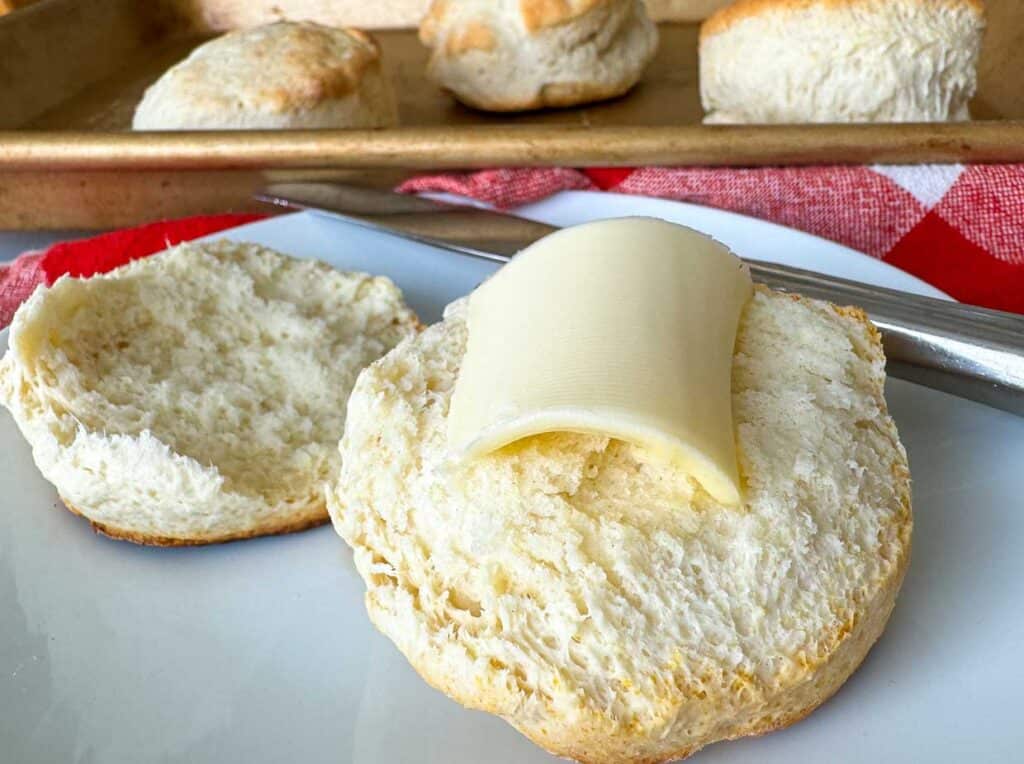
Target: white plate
260	651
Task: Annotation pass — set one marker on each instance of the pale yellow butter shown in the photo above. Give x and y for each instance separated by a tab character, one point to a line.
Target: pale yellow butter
623	328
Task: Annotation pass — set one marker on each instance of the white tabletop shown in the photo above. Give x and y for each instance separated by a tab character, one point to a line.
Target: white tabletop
262	651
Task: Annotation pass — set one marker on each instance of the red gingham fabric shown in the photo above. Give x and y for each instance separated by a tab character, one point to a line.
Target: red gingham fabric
958	228
17	282
100	254
505	188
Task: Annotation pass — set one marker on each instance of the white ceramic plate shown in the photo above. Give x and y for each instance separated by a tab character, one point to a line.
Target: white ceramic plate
260	651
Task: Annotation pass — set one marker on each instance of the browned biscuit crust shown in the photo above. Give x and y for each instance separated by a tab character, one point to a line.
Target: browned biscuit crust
312	519
742	9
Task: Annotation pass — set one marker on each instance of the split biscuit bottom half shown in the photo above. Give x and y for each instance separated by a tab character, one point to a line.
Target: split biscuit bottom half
602	602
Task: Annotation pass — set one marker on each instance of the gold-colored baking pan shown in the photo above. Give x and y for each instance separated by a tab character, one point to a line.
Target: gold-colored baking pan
71	72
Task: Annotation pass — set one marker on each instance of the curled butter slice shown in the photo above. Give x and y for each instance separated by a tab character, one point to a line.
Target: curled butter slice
623	328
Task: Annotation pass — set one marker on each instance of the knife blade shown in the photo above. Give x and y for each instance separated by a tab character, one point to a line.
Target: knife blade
973	353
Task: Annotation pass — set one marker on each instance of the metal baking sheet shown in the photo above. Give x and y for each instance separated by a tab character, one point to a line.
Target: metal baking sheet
71	72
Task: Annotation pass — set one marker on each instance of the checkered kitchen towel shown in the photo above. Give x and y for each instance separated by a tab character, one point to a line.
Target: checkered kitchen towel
100	254
959	228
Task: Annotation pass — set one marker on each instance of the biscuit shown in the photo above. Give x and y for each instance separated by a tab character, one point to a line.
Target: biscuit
197	395
599	600
516	55
279	76
772	61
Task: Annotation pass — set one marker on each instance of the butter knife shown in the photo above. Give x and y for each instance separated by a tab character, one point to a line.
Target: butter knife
973	353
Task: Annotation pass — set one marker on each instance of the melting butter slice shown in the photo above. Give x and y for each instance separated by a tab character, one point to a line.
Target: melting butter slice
622	328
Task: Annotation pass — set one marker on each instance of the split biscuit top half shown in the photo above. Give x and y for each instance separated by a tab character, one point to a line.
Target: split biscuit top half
197	395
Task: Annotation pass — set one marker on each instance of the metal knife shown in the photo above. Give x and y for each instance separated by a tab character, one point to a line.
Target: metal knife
970	352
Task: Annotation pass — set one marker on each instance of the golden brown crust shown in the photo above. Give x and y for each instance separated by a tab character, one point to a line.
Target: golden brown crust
473	36
280	528
326	78
431	21
537	16
721	20
562	94
308	53
541	14
847	311
552	96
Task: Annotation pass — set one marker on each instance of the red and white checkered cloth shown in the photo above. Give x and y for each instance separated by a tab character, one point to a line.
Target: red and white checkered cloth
100	254
959	228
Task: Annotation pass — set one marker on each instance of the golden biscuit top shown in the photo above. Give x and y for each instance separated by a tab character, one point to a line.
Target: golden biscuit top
280	67
744	9
474	31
